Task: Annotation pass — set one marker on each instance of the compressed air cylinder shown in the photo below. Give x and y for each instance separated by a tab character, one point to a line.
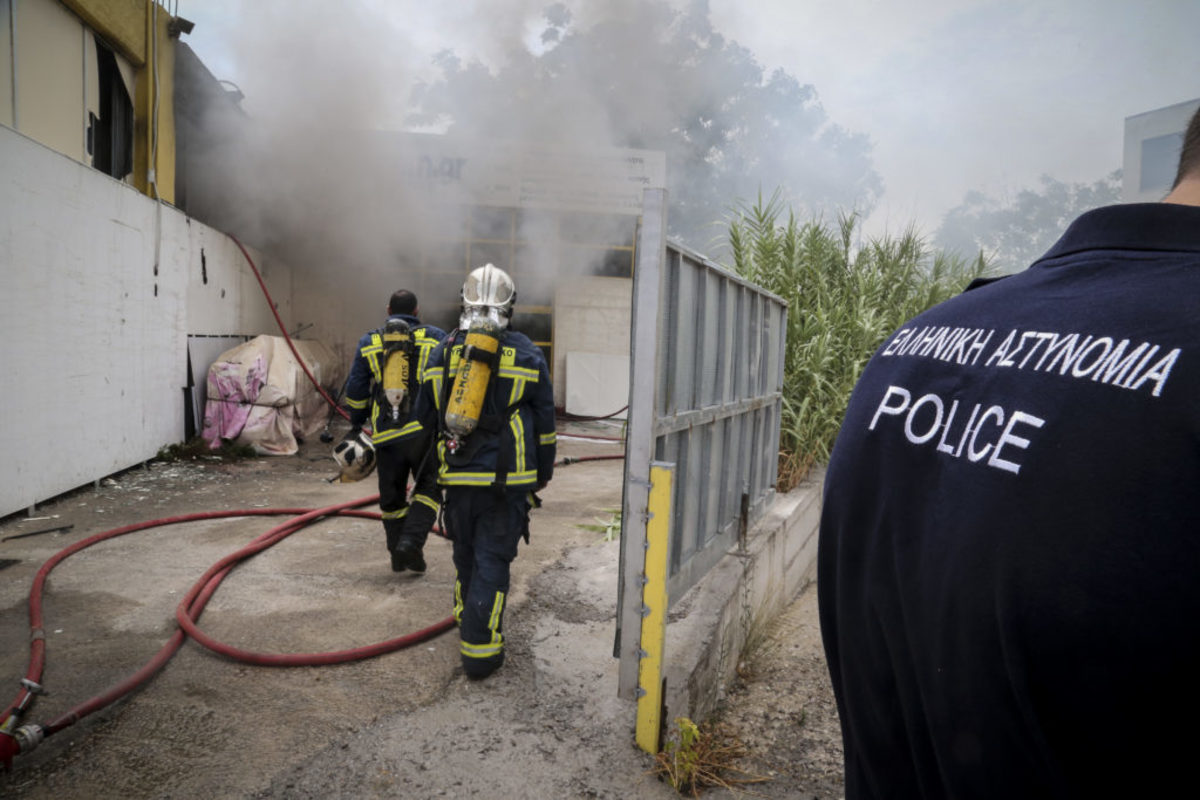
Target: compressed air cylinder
395	369
474	373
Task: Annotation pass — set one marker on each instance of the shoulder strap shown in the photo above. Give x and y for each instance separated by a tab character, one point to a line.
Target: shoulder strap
447	351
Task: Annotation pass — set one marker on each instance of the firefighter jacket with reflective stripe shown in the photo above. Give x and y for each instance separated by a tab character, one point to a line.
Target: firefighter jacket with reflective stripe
364	386
514	443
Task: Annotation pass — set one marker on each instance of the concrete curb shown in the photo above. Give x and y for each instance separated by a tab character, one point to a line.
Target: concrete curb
711	625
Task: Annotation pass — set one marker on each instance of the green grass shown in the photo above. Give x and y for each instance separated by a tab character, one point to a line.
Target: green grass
844	298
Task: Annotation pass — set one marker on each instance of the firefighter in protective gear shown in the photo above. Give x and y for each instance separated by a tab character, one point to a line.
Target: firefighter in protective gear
382	383
502	454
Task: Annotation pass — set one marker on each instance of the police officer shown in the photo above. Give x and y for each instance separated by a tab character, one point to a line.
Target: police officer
491	471
403	336
1009	557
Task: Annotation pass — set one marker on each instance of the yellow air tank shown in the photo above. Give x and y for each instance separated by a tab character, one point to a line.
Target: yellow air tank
396	347
479	356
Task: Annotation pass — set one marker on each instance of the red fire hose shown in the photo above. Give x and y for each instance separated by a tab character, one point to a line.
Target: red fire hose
15	740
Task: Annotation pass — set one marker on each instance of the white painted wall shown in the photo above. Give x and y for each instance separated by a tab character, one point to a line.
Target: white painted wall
99	289
591	315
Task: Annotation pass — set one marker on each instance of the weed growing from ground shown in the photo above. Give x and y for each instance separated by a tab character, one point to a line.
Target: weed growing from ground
694	759
611	527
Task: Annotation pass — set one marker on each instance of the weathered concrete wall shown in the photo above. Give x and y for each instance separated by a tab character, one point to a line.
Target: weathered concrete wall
710	625
100	288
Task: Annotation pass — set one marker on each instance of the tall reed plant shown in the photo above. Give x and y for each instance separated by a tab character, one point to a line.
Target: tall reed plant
844	298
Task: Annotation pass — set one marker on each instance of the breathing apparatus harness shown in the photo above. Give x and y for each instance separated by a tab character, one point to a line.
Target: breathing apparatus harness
478	368
488	296
392	394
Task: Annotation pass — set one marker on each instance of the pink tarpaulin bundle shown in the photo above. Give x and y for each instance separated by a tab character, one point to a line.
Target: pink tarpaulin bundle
258	394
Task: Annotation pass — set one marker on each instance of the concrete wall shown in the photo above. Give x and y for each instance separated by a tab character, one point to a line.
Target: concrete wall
99	289
710	625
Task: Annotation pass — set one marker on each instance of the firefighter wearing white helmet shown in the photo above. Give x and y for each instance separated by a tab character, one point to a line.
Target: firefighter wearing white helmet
487	395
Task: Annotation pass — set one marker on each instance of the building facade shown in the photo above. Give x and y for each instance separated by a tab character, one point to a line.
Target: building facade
1152	143
93	80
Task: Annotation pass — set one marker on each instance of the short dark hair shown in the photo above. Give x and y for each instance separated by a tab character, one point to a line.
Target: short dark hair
403	302
1189	156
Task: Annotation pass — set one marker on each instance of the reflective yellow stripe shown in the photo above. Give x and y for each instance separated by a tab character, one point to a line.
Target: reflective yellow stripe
496	645
395	514
465	478
437	392
371	354
488	650
387	436
518	389
426	501
519	372
376	370
447	478
357	404
494	619
458	603
518	429
425	345
548	438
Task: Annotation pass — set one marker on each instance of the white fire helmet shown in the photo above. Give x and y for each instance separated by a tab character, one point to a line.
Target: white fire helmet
356	457
488	292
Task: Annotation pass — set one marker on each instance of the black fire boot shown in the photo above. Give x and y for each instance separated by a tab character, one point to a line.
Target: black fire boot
409	553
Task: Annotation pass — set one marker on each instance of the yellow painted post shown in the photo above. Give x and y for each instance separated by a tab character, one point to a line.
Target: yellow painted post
654	608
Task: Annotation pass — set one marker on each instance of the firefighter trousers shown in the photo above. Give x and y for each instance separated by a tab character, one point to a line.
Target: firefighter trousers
485	526
402	520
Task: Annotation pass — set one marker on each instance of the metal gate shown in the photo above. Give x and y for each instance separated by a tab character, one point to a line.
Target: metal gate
706	382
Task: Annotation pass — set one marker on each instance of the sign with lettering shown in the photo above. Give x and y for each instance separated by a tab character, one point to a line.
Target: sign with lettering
525	175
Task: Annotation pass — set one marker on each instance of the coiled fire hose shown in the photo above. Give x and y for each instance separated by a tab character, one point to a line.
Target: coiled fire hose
16	738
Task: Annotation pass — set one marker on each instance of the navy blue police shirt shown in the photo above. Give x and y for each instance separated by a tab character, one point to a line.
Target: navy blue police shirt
1009	559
